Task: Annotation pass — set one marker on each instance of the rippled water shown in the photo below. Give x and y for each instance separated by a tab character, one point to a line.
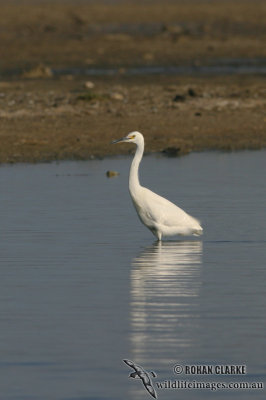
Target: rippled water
84	285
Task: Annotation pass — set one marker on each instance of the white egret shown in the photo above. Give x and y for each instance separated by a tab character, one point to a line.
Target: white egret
161	216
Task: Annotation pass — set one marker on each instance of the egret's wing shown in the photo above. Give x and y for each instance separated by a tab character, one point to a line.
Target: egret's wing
164	211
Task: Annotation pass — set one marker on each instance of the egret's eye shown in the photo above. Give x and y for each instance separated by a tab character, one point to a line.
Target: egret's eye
132	137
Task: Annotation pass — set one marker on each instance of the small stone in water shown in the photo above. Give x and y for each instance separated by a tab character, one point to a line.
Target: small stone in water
111	174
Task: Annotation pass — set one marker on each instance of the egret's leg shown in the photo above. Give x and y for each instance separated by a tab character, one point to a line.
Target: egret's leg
159	235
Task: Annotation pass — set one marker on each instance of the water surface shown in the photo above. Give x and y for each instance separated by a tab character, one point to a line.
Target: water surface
218	67
84	285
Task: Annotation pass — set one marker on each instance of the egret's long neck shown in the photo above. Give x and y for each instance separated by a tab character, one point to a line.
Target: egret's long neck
134	169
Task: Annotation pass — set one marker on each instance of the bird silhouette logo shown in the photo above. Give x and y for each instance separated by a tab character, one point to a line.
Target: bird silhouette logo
143	375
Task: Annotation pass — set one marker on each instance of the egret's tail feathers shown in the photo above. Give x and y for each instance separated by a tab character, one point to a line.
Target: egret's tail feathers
198	232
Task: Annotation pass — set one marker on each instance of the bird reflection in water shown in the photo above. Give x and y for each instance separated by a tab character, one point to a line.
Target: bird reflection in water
165	284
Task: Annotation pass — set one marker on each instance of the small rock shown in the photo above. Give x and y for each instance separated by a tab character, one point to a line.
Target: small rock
77	19
210	48
112	174
49	28
89	85
174	29
179	98
117	96
148	56
171	151
89	61
191	92
67	77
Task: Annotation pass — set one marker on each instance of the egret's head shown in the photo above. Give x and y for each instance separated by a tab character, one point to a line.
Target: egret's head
132	137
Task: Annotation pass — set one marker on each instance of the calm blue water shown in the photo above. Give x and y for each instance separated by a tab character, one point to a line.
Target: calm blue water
84	285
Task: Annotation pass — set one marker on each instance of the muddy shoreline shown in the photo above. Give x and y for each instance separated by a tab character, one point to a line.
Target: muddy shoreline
47	116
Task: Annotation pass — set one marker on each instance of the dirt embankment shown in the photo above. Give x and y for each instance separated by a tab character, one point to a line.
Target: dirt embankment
44	116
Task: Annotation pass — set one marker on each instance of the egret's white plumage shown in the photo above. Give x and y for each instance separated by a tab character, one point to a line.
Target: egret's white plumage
161	216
